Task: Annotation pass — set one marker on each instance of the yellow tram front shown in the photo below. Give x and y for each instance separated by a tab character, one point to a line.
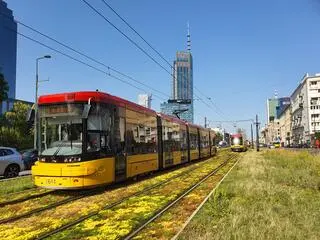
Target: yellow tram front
238	143
74	142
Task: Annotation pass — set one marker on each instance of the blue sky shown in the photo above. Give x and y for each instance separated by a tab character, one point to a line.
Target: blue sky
242	50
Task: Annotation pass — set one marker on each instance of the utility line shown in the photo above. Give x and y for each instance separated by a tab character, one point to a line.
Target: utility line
125	35
213	104
82	62
86	56
126	22
136	32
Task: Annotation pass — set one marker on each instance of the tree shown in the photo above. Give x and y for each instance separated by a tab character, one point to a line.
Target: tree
218	138
4	88
14	129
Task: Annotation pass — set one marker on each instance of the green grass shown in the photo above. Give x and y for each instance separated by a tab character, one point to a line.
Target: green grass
15	185
269	195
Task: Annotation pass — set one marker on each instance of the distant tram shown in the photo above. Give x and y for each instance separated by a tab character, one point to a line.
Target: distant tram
93	138
238	143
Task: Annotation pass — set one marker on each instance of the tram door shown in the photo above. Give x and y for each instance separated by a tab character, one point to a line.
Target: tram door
120	157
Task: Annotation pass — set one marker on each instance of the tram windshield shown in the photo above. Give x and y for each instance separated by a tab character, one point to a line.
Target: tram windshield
63	136
61	130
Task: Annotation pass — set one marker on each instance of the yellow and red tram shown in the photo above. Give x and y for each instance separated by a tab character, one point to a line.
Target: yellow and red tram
93	138
238	143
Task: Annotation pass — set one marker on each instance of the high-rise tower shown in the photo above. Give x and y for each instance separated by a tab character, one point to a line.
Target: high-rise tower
182	85
8	51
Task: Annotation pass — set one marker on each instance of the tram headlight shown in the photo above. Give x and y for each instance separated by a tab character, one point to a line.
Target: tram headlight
236	141
72	159
41	159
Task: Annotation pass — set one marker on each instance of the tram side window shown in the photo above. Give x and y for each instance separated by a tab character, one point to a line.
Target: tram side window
140	139
171	138
193	141
93	142
99	126
183	142
204	141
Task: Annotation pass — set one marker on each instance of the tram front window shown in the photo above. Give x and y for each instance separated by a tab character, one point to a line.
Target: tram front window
61	136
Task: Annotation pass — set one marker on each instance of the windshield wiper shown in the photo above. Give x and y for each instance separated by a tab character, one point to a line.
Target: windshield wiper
59	147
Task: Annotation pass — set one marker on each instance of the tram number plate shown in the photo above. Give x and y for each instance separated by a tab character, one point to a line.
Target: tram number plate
50	181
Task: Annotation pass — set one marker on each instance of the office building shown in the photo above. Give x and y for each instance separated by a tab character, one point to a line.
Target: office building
145	100
8	52
181	102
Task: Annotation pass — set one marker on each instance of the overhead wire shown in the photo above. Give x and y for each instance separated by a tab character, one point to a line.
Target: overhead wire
126	22
125	35
86	56
81	62
153	48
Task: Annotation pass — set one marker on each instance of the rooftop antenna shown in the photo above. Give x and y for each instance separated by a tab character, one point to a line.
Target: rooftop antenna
188	38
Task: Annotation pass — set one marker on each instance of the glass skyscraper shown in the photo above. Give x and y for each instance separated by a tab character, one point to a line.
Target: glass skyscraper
8	52
181	103
182	82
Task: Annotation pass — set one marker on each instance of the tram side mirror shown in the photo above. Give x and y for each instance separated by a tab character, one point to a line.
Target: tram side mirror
30	115
86	110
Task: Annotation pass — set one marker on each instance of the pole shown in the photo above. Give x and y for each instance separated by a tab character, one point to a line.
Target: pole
224	135
257	133
36	109
205	122
252	137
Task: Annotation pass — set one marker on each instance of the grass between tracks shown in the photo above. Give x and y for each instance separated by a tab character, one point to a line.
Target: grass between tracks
29	228
119	221
167	225
269	195
23	207
15	185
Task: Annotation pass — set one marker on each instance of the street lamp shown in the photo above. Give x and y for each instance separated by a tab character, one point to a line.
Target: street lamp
36	103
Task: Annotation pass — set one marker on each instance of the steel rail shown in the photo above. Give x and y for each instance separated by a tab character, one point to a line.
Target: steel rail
14	178
172	203
112	205
26	198
48	207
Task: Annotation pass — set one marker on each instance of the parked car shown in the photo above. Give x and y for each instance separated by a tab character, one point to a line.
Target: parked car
29	157
10	162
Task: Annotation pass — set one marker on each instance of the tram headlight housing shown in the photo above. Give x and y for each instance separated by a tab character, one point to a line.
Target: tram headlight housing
236	141
72	159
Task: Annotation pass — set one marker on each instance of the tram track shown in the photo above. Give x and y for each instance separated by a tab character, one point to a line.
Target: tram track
50	206
12	221
117	203
59	203
169	205
25	198
114	204
15	178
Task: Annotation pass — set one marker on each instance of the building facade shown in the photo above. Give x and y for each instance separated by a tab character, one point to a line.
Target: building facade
275	109
272	104
181	102
182	82
8	51
305	102
178	108
285	126
272	132
145	100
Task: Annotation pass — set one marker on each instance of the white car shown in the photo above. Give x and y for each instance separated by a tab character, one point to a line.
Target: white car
10	162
